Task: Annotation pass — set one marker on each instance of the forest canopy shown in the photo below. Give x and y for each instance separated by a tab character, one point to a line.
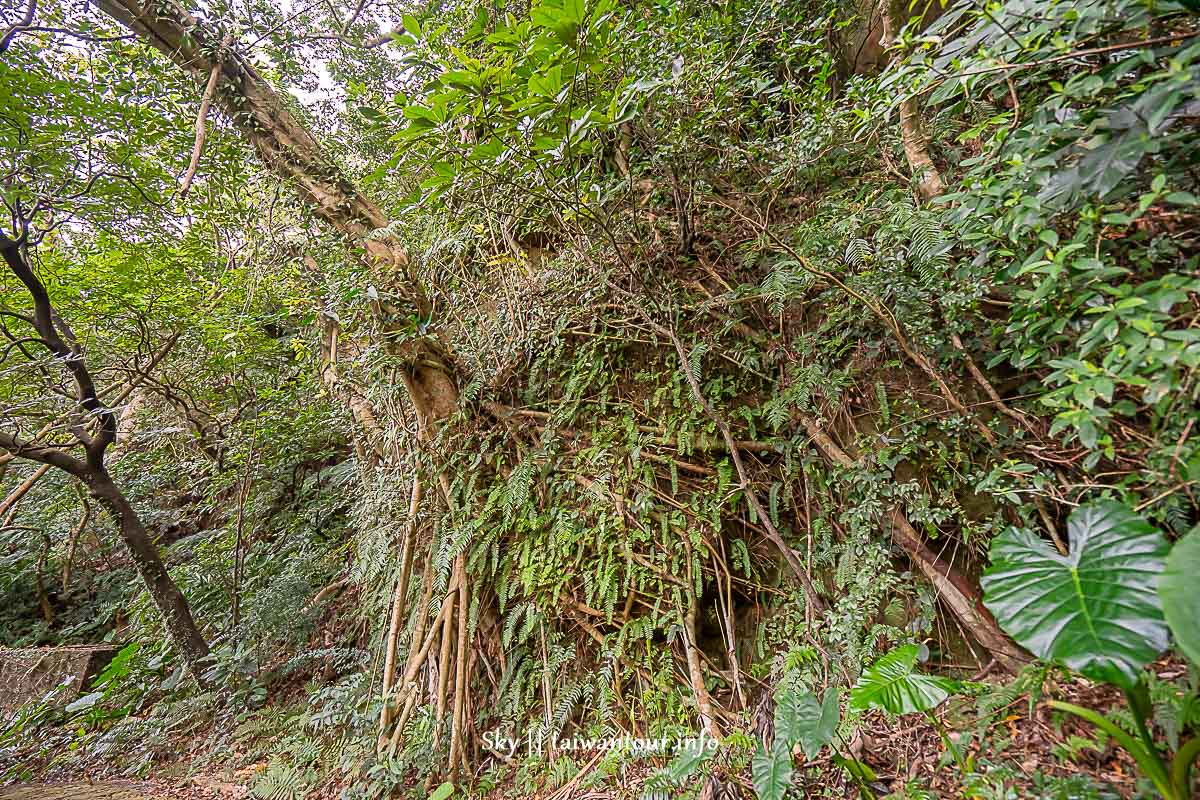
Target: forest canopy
430	399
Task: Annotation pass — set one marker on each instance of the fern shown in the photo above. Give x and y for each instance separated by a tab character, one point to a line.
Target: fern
281	781
858	252
885	409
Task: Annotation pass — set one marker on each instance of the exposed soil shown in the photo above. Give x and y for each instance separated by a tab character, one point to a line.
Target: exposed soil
199	788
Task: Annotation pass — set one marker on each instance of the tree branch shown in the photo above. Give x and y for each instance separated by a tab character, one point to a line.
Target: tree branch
25	23
43	454
201	120
69	354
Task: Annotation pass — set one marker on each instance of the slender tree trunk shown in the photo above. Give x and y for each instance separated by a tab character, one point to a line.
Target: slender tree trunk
39	580
912	126
704	705
170	602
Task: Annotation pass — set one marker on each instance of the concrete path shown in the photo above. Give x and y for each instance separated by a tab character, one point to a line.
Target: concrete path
112	790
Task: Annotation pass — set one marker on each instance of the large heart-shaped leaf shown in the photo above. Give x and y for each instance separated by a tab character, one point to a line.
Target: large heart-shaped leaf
1180	596
893	685
799	718
1094	609
771	771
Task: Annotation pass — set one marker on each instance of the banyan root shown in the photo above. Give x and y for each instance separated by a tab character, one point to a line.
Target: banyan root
406	556
406	689
952	587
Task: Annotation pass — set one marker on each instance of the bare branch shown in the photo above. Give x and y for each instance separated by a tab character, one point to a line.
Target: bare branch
24	24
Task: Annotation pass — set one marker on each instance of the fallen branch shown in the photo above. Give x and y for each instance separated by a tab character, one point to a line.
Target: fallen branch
812	599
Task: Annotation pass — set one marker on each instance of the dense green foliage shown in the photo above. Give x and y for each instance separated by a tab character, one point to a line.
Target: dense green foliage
741	417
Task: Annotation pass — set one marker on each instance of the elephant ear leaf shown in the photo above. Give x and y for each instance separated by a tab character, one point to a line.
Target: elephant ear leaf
893	685
1095	609
800	719
771	771
1179	594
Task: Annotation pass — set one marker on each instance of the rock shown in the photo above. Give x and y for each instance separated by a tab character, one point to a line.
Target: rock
30	674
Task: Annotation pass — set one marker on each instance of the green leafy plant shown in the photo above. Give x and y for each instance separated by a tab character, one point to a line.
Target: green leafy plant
771	770
802	719
1096	610
894	685
1180	598
799	719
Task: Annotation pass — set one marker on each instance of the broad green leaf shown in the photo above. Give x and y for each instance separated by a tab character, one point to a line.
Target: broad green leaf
688	761
771	771
117	668
442	792
893	685
1180	596
84	703
1095	609
800	719
857	769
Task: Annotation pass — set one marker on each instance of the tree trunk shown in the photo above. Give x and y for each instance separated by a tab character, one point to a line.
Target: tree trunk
288	150
91	411
912	127
169	601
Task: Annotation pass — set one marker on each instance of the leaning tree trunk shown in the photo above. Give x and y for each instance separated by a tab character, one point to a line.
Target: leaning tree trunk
171	604
93	425
287	149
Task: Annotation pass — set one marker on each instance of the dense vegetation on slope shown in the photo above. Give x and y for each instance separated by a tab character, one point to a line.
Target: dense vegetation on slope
381	376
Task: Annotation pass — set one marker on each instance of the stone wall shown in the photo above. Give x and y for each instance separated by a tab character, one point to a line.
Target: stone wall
29	674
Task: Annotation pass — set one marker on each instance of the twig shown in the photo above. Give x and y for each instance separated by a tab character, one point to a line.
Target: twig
1093	51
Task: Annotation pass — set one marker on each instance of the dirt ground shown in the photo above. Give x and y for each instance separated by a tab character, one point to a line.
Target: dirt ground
196	789
77	791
